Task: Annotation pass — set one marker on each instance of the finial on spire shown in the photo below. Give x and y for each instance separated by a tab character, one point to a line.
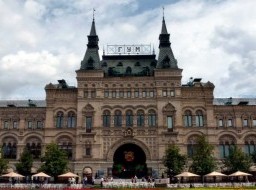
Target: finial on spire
93	14
163	12
103	50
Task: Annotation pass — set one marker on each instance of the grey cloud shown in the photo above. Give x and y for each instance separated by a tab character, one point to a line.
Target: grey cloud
233	40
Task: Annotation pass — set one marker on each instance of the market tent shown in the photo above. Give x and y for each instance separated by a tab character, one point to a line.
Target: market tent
214	174
187	174
41	174
239	173
12	174
69	174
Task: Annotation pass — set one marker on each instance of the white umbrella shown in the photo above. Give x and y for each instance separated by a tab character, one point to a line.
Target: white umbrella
214	173
239	173
41	174
187	174
69	174
12	174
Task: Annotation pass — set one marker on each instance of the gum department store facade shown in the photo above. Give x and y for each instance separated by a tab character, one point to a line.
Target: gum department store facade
124	112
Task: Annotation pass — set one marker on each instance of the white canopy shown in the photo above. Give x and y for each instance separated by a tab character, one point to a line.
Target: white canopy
12	174
214	173
239	173
68	174
41	174
187	174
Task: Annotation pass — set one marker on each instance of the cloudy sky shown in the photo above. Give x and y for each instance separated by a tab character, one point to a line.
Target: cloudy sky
45	40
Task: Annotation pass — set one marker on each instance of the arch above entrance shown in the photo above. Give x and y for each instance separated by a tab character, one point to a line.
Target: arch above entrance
121	142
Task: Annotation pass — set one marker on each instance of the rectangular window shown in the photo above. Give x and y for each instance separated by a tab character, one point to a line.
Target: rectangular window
151	94
252	148
226	150
106	93
164	93
144	93
121	94
113	94
15	125
245	123
230	123
128	94
247	149
136	94
188	120
190	150
220	123
29	125
169	122
172	93
199	121
222	151
254	122
93	94
106	120
6	125
88	123
39	125
86	94
87	151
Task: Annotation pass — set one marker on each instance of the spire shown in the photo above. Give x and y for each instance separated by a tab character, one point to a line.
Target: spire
164	29
93	30
91	59
166	58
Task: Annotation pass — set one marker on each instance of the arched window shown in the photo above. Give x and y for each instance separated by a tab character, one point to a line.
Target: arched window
128	71
129	118
166	62
106	119
137	64
9	148
151	118
34	149
225	144
188	118
140	118
65	144
71	119
250	144
250	147
191	145
90	63
199	118
118	118
59	119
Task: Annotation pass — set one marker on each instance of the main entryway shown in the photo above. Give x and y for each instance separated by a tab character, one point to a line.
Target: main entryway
129	160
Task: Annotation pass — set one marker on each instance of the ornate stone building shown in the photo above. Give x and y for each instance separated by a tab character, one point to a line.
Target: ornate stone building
126	109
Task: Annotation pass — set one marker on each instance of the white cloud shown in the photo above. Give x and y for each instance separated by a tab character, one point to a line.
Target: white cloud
34	70
44	40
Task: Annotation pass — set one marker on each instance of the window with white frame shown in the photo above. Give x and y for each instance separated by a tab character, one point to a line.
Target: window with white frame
71	119
199	118
245	122
169	122
220	123
230	123
188	118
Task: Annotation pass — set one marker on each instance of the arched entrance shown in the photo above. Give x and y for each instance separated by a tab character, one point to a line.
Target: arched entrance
129	160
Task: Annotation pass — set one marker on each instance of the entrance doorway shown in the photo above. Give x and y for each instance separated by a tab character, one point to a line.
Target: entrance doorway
129	160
